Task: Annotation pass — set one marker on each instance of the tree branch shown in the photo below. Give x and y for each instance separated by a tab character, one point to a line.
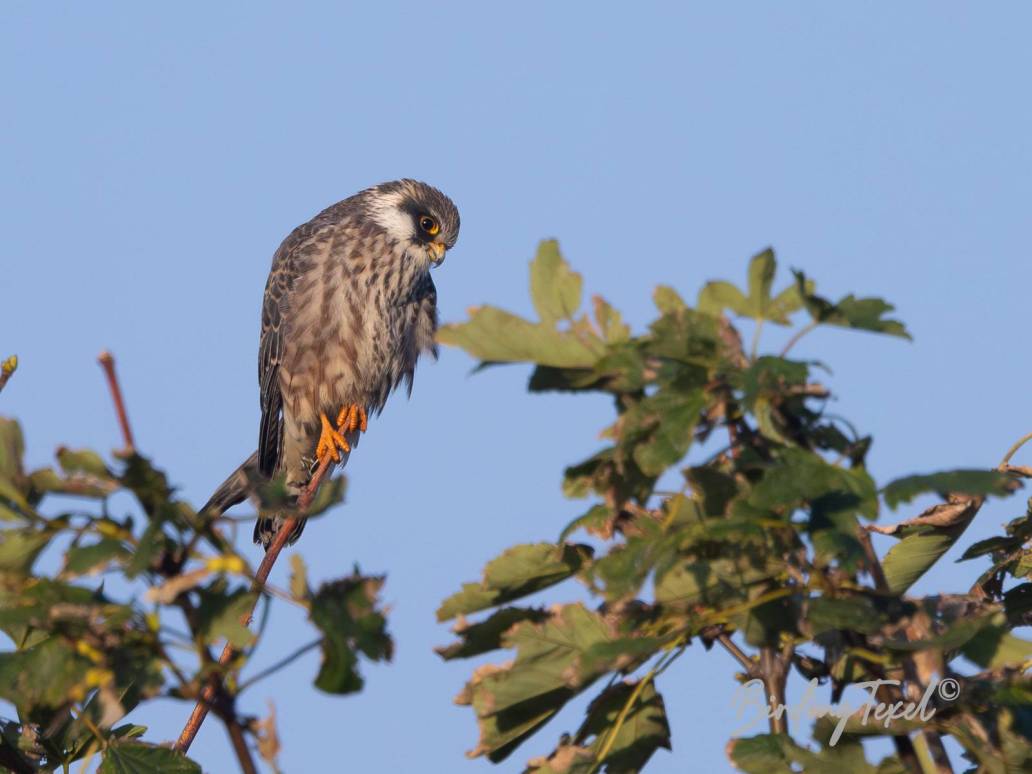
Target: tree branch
213	696
107	362
903	744
737	653
200	710
239	742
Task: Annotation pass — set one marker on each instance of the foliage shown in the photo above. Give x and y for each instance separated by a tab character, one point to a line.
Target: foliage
117	597
758	542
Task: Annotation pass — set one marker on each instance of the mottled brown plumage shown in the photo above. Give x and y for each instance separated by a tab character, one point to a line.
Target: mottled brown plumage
349	307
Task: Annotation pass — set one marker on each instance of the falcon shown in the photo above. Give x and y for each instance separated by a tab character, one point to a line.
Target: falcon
349	307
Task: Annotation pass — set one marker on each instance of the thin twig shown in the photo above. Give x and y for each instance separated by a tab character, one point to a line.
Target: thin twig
200	710
755	347
873	565
107	362
1014	449
239	742
774	673
657	669
737	653
278	665
798	335
7	368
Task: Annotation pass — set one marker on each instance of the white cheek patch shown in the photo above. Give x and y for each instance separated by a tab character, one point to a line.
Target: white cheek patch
386	212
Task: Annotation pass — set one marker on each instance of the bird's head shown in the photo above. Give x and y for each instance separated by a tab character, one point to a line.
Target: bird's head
415	215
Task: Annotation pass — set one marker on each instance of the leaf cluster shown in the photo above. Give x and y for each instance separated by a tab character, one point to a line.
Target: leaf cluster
113	593
757	541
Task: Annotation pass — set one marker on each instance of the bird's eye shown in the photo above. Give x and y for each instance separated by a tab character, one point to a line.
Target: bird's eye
429	225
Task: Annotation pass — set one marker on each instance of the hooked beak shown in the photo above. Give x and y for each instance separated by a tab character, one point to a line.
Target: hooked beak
437	250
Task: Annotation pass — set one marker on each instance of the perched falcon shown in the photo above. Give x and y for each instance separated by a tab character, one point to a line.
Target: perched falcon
349	307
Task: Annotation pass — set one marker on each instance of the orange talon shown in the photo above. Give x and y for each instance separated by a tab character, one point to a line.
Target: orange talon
352	417
329	442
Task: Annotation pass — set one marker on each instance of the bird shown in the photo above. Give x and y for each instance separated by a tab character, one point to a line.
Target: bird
349	307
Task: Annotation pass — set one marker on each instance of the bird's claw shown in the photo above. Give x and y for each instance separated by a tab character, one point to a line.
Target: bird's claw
330	442
352	417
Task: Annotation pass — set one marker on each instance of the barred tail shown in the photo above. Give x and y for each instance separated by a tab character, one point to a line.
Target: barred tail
266	527
236	489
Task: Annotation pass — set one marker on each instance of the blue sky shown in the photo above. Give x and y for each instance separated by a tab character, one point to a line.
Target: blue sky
152	160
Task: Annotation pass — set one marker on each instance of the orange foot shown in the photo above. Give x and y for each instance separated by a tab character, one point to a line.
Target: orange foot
352	417
330	442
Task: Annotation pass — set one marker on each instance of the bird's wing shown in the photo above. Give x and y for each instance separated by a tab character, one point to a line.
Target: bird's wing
288	264
270	351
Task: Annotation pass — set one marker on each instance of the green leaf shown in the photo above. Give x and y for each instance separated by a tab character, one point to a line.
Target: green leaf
519	571
220	614
81	560
761	277
969	482
478	638
46	481
598	520
21	675
668	300
554	288
609	321
512	701
126	757
993	648
715	297
766	625
28	605
990	545
624	569
83	461
850	312
643	731
712	583
911	558
13	504
771	376
299	578
779	754
670	418
763	754
856	614
804	477
786	303
686	336
152	542
926	538
346	612
20	547
713	488
150	486
495	336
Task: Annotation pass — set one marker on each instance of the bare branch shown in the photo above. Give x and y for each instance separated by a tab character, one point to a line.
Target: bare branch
107	362
7	369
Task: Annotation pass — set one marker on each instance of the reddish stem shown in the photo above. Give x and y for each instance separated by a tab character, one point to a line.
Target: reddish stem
204	703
